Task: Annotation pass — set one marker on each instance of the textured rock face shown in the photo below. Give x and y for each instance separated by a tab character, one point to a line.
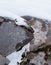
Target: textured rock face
42	30
40	46
12	37
39	59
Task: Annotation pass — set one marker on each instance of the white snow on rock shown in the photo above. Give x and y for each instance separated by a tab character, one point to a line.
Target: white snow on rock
16	56
37	8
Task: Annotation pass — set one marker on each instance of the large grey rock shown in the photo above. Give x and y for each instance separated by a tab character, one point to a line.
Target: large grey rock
12	37
3	60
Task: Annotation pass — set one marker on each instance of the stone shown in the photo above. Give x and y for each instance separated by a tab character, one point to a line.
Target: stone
42	30
12	37
39	59
3	60
49	61
40	45
1	19
27	17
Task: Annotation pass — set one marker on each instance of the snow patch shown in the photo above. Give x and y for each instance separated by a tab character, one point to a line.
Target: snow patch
18	19
16	56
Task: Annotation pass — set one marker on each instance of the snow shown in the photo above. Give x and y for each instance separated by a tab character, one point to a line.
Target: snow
11	15
16	56
37	8
18	19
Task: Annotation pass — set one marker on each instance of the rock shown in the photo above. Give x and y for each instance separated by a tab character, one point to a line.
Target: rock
49	61
41	44
29	55
47	44
42	30
3	60
28	18
31	64
12	37
1	19
39	59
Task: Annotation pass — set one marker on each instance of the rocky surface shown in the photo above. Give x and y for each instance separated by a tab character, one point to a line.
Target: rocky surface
12	37
42	32
39	59
40	46
3	60
34	58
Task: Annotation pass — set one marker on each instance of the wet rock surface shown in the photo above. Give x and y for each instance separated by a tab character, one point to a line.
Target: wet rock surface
12	36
